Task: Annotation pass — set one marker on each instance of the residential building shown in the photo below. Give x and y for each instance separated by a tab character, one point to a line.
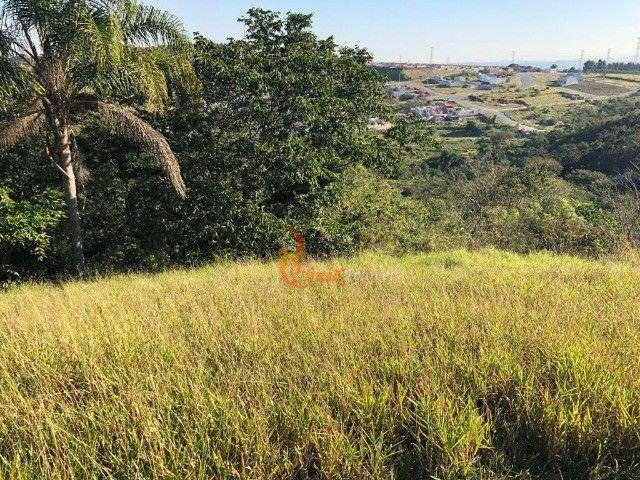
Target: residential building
491	79
570	79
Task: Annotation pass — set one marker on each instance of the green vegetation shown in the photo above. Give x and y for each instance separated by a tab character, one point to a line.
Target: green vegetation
414	369
393	74
547	98
483	199
62	61
271	131
618	67
485	365
266	130
23	231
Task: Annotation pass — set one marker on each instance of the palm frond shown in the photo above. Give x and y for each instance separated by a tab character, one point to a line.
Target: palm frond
7	34
20	130
14	64
146	76
31	13
142	24
121	51
11	76
126	124
99	36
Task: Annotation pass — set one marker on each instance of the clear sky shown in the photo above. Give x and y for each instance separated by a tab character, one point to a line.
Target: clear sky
463	30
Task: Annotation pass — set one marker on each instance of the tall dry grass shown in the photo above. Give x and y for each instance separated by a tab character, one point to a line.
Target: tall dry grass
458	365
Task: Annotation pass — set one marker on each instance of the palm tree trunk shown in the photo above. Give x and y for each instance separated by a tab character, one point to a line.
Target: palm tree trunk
70	191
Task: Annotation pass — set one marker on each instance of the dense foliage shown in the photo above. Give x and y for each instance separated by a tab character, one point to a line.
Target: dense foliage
25	237
61	61
602	66
271	131
572	190
266	136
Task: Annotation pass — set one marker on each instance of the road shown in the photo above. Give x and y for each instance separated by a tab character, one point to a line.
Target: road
528	80
501	116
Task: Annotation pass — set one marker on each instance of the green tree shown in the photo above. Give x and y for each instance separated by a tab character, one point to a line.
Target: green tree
25	232
61	60
284	114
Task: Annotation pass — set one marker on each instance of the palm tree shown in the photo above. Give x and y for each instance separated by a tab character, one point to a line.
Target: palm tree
63	61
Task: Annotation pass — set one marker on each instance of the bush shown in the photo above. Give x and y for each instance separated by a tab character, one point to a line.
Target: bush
405	97
553	224
25	233
368	212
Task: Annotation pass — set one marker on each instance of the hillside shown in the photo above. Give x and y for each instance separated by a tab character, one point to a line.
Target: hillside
457	365
609	146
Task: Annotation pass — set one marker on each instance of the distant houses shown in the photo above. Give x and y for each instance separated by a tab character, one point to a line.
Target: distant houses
404	93
485	81
435	80
456	81
489	79
395	91
442	111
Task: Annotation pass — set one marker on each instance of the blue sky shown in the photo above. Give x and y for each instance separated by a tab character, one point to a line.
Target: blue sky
463	30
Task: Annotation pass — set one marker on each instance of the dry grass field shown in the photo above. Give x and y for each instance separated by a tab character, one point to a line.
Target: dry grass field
456	365
422	73
600	88
547	98
626	79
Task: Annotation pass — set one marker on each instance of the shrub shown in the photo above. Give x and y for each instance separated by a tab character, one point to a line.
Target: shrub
368	212
25	233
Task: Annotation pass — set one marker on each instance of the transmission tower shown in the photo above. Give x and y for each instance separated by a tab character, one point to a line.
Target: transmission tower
638	51
431	57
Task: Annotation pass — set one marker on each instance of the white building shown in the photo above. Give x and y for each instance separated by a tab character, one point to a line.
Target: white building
491	79
570	79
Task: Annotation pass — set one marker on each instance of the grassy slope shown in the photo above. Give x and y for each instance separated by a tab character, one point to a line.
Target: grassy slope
456	365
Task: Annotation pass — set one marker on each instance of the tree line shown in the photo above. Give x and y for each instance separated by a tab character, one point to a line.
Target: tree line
100	100
602	66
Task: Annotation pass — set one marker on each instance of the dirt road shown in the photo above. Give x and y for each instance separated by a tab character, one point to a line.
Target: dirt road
499	115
